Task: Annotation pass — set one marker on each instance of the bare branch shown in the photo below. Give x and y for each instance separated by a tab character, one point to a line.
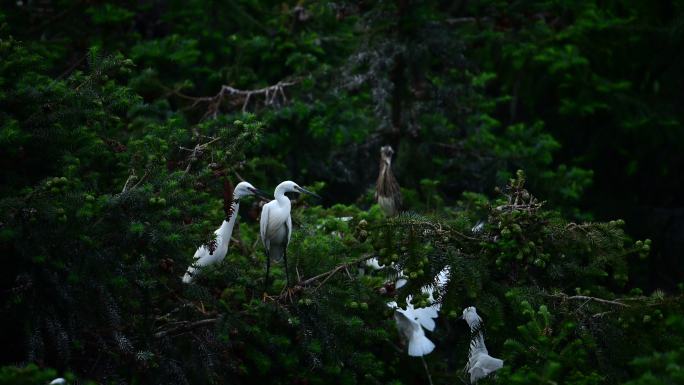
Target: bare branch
185	326
273	95
131	178
587	298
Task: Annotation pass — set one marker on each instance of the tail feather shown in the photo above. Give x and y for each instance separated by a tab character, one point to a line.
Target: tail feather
419	345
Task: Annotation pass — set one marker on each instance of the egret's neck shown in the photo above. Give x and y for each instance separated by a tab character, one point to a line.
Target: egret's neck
283	200
226	229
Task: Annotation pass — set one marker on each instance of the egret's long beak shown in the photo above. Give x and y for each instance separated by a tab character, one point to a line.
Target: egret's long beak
305	191
260	193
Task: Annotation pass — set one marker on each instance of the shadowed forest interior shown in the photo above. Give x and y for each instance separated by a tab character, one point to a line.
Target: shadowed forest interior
467	172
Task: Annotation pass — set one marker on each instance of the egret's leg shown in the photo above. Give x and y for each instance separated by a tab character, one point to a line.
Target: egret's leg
287	276
268	270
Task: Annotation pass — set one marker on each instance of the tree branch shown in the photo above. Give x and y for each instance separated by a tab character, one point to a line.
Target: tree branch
185	327
197	151
273	95
587	298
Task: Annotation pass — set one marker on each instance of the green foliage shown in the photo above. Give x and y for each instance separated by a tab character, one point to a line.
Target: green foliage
119	141
31	374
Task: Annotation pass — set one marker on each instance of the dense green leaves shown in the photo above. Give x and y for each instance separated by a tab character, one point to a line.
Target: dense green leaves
122	125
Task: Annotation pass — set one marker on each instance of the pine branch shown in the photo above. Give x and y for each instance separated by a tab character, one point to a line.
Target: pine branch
197	151
299	286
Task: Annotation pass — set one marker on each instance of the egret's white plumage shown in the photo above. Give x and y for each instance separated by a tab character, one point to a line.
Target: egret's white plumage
401	280
412	331
58	381
479	226
204	256
480	363
472	318
411	320
426	315
275	225
374	264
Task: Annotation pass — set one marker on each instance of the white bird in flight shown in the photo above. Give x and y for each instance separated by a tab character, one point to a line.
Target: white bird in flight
276	225
204	256
480	363
412	331
411	321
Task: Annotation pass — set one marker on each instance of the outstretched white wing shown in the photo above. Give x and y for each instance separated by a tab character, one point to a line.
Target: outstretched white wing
418	344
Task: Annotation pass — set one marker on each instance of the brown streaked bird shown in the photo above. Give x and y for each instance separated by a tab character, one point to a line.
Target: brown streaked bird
387	192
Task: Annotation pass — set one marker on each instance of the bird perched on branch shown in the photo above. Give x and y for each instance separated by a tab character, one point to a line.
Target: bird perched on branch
480	363
217	250
276	225
387	192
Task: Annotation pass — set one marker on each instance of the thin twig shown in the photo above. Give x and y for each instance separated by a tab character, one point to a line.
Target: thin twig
130	177
186	326
587	298
196	151
325	276
147	172
427	371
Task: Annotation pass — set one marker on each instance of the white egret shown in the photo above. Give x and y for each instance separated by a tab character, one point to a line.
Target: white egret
480	363
276	225
426	315
412	331
395	274
387	191
411	321
204	255
472	318
479	226
373	263
401	280
58	381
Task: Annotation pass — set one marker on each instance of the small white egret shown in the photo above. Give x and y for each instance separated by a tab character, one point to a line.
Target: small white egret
479	226
412	331
426	315
387	191
58	381
411	321
472	318
276	225
480	363
401	280
204	255
374	264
